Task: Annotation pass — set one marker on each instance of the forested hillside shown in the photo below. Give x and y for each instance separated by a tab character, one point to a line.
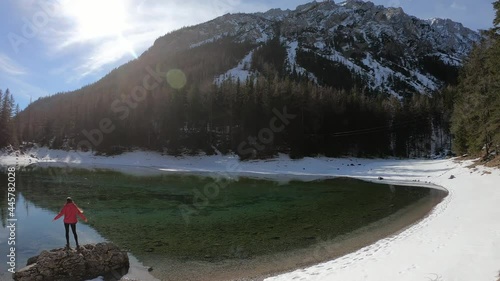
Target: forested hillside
261	84
244	117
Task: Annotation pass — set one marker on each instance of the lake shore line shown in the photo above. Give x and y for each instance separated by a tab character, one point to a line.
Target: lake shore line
262	267
444	244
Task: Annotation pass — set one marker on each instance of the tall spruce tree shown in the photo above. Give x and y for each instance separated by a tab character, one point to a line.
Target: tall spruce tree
6	134
1	102
476	116
496	5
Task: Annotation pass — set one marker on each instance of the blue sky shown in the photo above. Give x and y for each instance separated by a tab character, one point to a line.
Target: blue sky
50	46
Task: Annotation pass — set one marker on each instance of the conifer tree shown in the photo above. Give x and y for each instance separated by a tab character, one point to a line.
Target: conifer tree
6	133
496	5
1	102
476	116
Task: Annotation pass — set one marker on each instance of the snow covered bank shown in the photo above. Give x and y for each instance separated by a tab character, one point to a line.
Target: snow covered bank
147	162
459	240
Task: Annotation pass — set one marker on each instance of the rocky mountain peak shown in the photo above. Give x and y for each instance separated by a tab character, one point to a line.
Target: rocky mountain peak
385	48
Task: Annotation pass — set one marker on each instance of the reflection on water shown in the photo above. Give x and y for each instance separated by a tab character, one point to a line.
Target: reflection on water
36	232
247	219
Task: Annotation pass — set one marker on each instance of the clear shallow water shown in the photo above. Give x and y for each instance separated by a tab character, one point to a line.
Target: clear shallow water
163	222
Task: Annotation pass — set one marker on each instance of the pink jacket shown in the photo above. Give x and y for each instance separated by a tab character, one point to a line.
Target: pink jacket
70	211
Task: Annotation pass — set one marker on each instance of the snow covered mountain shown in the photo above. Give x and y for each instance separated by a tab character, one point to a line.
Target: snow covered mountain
360	52
383	49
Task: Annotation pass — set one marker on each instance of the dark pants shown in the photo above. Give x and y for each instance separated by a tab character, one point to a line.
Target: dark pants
73	228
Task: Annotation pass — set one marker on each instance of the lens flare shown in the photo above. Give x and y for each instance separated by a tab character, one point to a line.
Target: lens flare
176	78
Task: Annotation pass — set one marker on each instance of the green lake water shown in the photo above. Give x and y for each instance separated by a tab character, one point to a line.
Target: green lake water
183	224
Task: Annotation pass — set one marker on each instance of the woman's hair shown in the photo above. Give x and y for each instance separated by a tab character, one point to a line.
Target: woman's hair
69	200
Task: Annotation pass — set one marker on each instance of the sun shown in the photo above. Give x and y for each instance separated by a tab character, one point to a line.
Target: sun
98	21
95	19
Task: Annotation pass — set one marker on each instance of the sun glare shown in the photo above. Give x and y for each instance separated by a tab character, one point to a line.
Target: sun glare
96	19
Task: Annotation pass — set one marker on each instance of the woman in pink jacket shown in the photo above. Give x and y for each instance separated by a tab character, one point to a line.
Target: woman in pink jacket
70	211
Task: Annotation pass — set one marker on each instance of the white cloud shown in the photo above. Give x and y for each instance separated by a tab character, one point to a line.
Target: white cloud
97	34
8	66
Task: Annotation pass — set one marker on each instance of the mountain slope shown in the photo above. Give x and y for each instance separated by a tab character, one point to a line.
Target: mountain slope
386	49
345	71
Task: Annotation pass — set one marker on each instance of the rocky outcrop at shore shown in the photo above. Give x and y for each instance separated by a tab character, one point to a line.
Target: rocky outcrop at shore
87	262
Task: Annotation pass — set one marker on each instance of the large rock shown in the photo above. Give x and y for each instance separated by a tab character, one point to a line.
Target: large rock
88	262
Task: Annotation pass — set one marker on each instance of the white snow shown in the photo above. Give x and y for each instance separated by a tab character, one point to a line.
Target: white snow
448	59
338	57
426	81
459	240
264	36
136	271
291	50
209	40
320	44
380	75
241	71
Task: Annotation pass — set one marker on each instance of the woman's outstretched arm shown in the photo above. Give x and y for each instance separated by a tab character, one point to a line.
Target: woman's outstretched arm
60	213
79	212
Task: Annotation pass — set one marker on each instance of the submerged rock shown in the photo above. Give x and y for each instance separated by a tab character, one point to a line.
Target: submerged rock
88	262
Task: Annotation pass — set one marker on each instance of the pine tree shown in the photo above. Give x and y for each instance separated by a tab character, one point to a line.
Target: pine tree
5	119
2	122
1	109
496	5
476	116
